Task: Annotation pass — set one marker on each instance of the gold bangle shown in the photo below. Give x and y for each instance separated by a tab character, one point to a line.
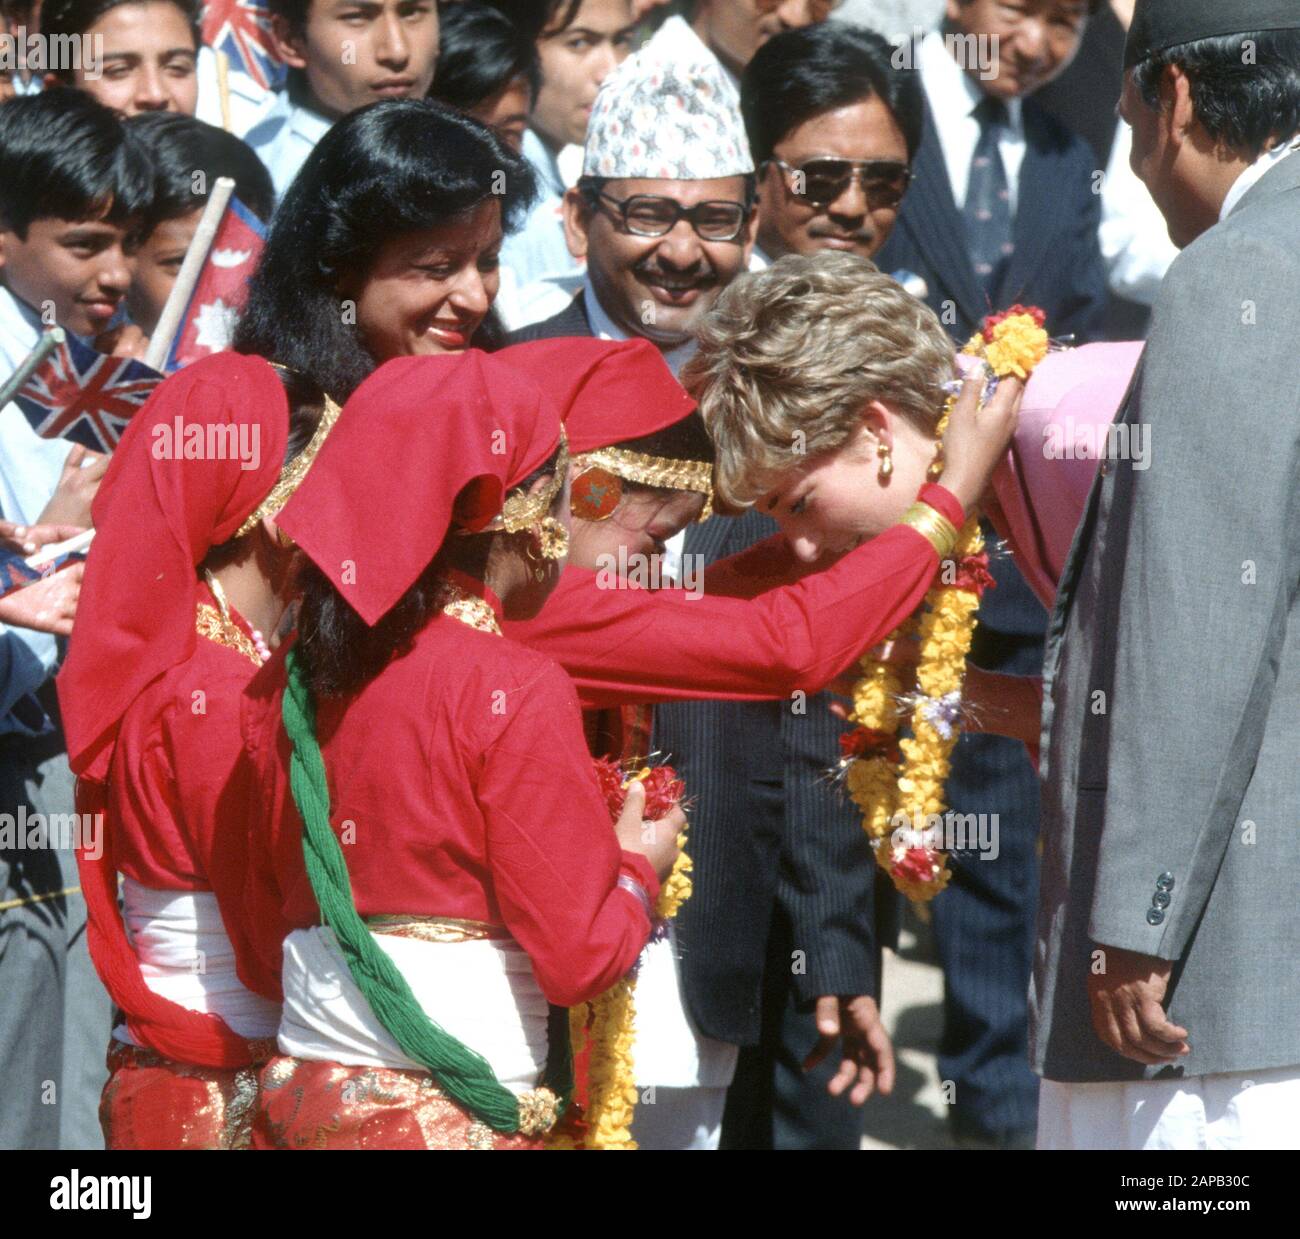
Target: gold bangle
933	526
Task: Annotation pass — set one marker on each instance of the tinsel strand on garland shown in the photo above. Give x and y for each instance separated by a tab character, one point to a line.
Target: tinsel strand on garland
607	1024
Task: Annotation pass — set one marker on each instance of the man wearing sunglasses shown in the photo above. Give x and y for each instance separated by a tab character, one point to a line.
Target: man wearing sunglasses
834	127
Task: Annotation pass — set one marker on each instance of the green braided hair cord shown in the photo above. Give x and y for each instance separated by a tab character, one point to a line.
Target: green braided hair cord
464	1074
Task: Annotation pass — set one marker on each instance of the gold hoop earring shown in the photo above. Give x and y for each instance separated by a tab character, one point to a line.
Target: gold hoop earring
536	561
886	461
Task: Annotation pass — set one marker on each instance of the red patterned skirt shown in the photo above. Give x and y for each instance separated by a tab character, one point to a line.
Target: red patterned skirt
152	1102
304	1104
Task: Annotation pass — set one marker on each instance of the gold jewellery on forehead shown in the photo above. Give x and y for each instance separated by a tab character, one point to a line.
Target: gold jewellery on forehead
596	492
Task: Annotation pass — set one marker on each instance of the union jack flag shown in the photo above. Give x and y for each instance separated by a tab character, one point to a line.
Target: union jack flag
242	29
14	572
85	396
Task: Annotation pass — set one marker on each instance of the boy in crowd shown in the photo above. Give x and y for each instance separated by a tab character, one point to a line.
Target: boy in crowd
135	55
735	29
342	55
581	42
74	188
488	68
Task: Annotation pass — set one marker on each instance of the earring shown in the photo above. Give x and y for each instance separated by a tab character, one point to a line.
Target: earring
536	565
886	461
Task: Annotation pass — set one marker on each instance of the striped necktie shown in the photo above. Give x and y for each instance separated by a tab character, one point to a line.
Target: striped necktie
988	200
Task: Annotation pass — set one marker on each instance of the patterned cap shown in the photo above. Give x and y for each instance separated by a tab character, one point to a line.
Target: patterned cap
669	113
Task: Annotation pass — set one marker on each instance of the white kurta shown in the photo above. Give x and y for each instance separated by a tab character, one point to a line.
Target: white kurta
1238	1110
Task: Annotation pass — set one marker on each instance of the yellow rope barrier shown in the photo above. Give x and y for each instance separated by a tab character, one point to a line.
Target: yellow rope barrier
10	904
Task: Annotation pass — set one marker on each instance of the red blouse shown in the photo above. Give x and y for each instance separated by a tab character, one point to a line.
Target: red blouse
764	626
177	786
177	769
460	786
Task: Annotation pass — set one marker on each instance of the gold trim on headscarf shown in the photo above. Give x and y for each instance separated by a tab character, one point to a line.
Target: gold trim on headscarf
293	473
660	471
522	511
533	511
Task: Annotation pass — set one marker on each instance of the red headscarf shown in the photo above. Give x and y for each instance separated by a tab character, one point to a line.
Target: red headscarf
157	514
610	391
380	498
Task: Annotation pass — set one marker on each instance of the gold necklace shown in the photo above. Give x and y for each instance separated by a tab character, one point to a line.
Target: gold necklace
215	623
469	609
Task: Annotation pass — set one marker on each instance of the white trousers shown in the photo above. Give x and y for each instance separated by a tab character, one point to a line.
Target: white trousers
678	1118
1238	1110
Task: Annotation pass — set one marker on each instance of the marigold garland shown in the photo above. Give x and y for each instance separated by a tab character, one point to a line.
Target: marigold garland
606	1025
900	783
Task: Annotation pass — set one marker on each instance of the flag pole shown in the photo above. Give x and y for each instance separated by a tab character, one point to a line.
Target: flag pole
46	345
55	550
223	88
169	322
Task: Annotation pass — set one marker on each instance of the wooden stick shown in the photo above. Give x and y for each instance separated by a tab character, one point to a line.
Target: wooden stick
44	347
169	322
223	88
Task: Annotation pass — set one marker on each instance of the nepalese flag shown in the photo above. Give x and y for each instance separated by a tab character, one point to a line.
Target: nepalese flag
242	29
222	287
85	396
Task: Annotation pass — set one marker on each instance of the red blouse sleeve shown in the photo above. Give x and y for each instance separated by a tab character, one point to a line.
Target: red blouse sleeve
636	645
553	855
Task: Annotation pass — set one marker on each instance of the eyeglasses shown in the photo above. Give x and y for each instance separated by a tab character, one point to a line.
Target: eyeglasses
821	181
648	215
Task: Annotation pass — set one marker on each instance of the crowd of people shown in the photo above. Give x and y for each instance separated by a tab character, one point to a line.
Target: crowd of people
598	406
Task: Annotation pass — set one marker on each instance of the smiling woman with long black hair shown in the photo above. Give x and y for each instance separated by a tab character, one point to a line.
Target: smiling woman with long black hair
386	245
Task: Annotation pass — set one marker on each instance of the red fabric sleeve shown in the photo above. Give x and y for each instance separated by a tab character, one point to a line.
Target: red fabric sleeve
630	645
553	854
943	501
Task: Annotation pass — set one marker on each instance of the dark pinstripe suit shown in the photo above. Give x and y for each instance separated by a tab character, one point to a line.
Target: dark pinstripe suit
781	866
783	905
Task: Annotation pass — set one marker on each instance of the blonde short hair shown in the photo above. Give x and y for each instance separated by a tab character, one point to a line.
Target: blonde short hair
790	357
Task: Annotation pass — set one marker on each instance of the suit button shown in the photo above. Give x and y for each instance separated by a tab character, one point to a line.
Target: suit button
1160	899
1154	916
1165	882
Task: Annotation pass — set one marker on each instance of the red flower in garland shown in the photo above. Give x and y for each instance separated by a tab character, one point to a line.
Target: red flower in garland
992	320
663	788
973	574
917	864
866	742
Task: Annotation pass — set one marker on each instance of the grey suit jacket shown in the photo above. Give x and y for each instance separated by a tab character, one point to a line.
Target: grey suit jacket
1171	809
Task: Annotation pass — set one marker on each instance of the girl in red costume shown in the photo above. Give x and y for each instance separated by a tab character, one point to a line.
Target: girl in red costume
445	862
758	625
185	576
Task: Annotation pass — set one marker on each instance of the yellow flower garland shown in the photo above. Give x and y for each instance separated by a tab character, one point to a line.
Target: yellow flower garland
607	1024
910	792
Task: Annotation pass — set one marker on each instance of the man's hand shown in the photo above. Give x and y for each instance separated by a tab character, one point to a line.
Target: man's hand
866	1053
47	606
1126	1008
76	489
